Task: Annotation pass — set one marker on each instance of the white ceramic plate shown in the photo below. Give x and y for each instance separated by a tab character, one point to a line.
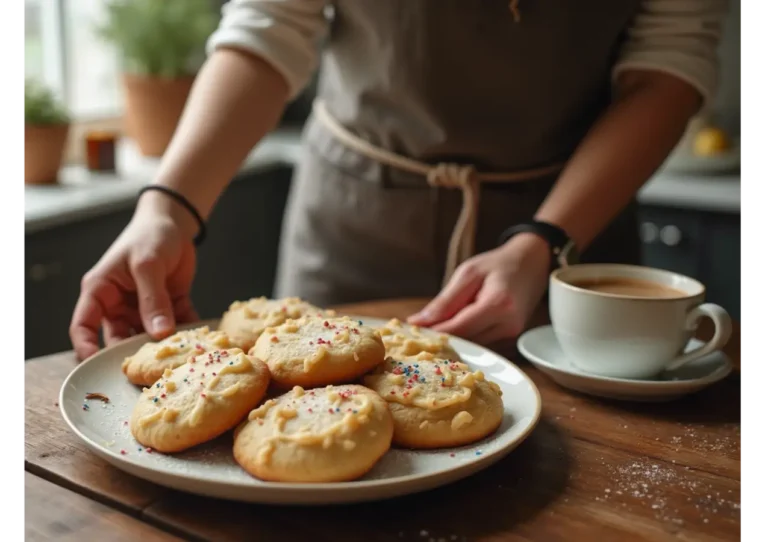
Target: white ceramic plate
541	348
211	470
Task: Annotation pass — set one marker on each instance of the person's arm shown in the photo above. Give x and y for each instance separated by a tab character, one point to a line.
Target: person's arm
220	125
665	73
620	153
261	56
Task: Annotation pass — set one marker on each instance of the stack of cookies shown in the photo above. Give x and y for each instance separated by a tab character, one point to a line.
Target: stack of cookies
342	392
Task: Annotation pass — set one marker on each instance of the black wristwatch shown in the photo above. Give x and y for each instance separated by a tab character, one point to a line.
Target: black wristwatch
563	249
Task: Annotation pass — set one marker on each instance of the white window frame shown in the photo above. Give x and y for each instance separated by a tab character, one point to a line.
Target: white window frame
57	62
52	44
52	30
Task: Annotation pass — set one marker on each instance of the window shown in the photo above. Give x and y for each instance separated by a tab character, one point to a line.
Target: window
42	42
93	67
62	50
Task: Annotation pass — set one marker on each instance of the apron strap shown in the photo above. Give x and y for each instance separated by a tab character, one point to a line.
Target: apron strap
446	175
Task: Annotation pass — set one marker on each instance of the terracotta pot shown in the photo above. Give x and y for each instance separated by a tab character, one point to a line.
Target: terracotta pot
152	110
43	152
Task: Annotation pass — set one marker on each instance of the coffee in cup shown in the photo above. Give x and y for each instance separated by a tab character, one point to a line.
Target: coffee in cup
627	321
629	287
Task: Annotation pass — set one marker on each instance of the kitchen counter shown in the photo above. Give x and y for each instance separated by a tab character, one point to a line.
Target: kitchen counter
715	193
81	194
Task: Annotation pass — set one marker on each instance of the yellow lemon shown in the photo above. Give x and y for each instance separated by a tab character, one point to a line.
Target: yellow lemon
711	141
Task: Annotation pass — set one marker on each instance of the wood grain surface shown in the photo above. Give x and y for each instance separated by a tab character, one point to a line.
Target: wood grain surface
55	513
592	469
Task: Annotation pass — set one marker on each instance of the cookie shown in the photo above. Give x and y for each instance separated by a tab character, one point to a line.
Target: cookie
403	341
314	351
199	401
331	434
152	359
437	403
245	321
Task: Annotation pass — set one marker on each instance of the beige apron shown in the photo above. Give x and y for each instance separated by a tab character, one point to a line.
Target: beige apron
442	82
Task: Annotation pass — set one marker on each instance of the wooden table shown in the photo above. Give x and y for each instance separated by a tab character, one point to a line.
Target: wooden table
591	470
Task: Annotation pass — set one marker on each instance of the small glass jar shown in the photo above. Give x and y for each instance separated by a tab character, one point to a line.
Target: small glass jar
100	150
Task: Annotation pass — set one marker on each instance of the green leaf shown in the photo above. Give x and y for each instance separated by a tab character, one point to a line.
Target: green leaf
40	105
161	38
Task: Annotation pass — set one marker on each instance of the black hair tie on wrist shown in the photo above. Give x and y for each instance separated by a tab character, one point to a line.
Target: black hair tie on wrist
200	237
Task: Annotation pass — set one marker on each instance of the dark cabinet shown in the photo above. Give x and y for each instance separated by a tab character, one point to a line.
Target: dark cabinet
703	245
230	265
239	258
55	261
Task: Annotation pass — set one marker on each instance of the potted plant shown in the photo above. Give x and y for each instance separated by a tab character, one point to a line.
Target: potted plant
163	45
46	125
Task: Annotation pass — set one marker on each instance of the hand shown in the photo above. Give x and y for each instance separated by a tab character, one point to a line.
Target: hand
491	296
141	282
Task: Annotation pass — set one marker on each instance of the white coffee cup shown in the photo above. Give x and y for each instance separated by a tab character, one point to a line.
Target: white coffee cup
633	333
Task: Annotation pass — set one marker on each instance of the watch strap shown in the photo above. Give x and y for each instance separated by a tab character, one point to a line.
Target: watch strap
561	246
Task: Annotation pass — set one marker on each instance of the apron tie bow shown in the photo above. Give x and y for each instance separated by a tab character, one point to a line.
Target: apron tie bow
443	175
464	177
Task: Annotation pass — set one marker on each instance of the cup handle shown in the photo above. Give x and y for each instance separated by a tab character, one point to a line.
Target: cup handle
723	330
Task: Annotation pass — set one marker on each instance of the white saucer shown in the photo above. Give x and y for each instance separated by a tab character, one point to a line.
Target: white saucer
541	348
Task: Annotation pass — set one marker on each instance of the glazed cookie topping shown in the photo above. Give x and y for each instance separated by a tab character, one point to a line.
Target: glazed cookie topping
322	418
245	321
314	340
219	339
273	312
404	341
184	391
193	341
431	385
149	362
180	343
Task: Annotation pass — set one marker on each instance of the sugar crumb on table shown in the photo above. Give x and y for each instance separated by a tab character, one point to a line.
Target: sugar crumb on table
646	483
